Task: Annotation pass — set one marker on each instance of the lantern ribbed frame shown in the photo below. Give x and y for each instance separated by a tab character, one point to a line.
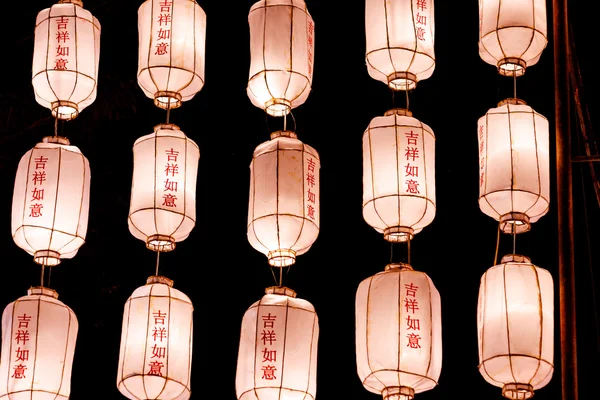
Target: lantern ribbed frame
281	55
512	35
68	84
51	329
171	69
515	324
400	39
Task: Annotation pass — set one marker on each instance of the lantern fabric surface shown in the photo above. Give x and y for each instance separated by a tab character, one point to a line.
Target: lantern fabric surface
512	34
282	40
398	175
400	41
515	325
155	357
172	47
514	165
398	332
38	343
277	356
163	192
66	55
284	205
51	201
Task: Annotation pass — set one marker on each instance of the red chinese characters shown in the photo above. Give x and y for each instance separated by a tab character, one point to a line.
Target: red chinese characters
311	194
481	156
411	169
310	30
411	306
38	177
269	353
63	41
171	181
21	339
163	27
158	344
420	19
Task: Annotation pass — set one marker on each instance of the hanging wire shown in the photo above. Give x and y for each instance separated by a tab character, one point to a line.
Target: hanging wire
514	237
56	125
169	110
497	245
407	101
42	275
157	262
408	249
391	252
515	86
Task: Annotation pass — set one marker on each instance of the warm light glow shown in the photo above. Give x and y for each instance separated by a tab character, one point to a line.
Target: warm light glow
284	205
400	41
38	343
282	40
155	358
51	201
172	40
512	34
66	55
514	165
277	357
398	175
163	192
515	324
398	333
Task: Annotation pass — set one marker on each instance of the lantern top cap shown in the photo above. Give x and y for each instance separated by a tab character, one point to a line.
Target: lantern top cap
284	133
398	265
513	101
76	2
56	140
398	111
167	126
42	291
281	290
159	279
515	258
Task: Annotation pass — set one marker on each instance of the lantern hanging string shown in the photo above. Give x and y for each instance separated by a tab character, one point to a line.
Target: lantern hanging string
515	86
157	260
497	245
56	125
168	111
42	275
407	104
408	248
514	237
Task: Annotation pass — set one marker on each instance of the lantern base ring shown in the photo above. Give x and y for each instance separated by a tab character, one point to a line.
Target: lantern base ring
517	391
398	393
282	258
511	67
514	222
167	100
66	110
278	107
398	234
402	81
161	243
47	258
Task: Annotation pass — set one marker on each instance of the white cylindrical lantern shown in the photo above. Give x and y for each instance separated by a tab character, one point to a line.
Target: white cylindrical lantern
163	192
398	333
512	34
284	205
277	357
155	358
282	41
400	41
51	201
172	40
515	325
514	165
66	56
38	343
398	175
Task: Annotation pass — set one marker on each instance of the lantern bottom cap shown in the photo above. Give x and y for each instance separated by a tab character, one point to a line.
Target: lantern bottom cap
511	66
517	391
514	222
278	107
47	258
167	100
160	243
397	234
282	257
402	81
398	393
66	110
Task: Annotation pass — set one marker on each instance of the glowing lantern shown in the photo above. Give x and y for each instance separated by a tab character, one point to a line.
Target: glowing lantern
277	357
283	212
163	193
51	201
155	358
66	55
400	41
398	333
38	343
514	176
398	175
282	39
515	324
512	34
172	37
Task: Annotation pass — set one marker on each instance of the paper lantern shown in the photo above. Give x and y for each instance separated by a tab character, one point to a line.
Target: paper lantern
398	175
38	343
51	201
155	357
277	357
163	192
284	205
512	34
282	40
398	333
66	56
515	325
400	41
514	165
172	38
